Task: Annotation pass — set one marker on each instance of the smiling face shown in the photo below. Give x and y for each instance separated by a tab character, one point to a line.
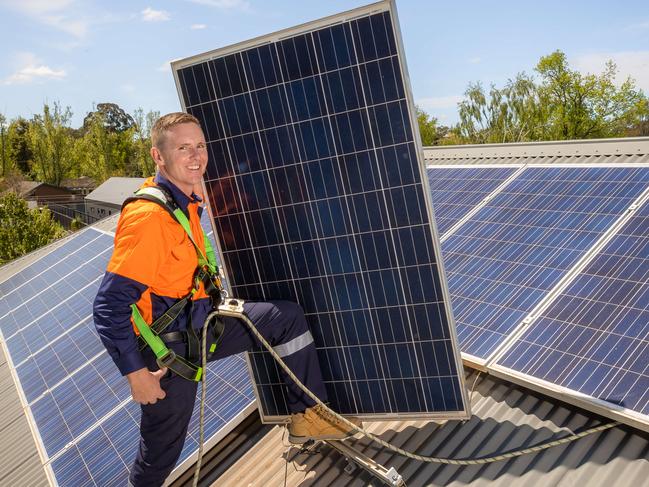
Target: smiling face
181	156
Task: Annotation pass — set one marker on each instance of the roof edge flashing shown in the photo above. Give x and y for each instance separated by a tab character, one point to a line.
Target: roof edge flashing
589	147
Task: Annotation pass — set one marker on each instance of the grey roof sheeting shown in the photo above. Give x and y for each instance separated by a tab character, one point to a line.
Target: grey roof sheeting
115	190
633	150
505	417
21	463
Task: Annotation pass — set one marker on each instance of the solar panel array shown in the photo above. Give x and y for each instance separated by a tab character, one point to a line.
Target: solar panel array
506	258
81	408
591	339
456	191
319	197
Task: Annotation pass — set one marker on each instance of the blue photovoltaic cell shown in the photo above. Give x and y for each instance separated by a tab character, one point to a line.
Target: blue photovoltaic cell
80	403
456	191
593	337
103	456
46	276
505	258
317	195
35	269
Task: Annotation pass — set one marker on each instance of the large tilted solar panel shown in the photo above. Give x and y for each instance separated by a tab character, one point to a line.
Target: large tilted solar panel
79	405
592	339
504	259
319	197
456	191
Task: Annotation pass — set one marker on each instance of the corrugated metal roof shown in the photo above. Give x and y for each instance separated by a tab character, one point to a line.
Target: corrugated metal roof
505	417
20	463
600	151
115	190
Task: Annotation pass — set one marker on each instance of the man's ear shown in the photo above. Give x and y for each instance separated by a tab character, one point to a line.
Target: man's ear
156	155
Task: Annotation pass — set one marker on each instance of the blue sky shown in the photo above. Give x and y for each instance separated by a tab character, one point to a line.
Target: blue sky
80	52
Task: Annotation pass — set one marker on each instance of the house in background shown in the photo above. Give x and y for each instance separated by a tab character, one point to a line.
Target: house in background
40	194
80	186
107	198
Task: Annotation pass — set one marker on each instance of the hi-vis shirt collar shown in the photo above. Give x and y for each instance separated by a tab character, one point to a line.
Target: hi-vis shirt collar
181	199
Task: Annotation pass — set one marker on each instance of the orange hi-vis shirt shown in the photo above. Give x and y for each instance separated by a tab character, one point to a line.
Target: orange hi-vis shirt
152	265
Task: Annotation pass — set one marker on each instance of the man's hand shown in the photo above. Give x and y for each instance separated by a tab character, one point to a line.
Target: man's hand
145	385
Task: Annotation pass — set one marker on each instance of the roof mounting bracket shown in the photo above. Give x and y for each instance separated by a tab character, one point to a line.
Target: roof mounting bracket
356	458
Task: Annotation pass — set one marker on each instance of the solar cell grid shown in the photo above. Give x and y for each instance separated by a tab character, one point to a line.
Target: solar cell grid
79	402
456	191
48	260
593	337
318	198
506	258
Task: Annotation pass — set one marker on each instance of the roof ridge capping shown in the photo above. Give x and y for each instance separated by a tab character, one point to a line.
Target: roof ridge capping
587	147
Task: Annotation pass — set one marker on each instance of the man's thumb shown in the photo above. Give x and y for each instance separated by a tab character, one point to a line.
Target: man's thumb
159	374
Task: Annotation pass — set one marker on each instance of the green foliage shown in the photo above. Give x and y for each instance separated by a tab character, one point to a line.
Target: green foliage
143	124
111	116
427	127
4	142
22	229
103	153
51	142
586	106
430	131
511	114
20	154
564	105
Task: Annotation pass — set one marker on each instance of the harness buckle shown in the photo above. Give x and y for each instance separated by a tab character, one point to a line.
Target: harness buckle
167	359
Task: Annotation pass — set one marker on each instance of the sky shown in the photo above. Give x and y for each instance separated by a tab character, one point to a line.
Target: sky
84	52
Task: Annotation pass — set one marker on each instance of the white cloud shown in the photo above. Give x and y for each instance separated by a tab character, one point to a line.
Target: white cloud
629	63
225	4
31	69
198	26
59	14
475	60
150	15
438	102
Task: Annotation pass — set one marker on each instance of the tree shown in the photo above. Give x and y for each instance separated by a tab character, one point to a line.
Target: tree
431	132
4	156
107	148
143	124
564	104
20	153
51	142
112	117
511	114
22	229
587	106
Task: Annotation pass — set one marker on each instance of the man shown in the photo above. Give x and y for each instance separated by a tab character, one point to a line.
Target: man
152	266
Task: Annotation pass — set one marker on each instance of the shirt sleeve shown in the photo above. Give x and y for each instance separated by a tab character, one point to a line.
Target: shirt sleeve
141	246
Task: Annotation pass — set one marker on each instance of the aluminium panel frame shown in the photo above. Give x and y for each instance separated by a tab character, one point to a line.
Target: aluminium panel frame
347	16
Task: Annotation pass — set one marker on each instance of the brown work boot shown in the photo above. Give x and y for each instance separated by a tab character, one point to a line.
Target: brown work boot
318	424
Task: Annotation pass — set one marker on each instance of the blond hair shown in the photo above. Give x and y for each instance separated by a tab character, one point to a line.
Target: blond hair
164	123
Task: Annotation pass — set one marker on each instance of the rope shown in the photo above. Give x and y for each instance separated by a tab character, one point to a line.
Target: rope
201	417
414	456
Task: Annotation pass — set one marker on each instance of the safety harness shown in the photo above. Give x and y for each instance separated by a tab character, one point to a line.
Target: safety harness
207	272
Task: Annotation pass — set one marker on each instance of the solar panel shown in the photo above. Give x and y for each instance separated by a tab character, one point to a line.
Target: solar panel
80	406
457	190
504	259
319	196
592	339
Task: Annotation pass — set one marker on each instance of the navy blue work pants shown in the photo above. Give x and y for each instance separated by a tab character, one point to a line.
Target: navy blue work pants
163	425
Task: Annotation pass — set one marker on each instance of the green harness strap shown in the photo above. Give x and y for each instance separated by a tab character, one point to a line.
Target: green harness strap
206	262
